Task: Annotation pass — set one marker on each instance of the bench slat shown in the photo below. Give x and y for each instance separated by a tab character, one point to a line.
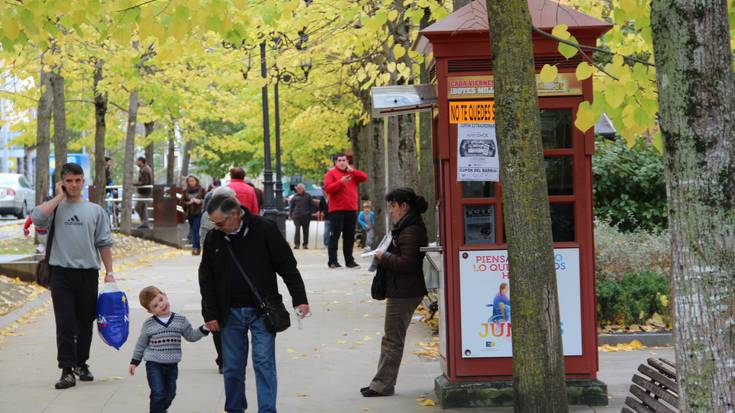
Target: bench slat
637	406
662	367
656	390
649	401
626	410
667	361
665	381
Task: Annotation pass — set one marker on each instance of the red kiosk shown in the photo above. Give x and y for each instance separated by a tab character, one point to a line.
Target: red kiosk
475	310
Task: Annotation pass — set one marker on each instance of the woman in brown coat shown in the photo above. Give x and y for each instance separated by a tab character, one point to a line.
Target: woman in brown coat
404	276
192	202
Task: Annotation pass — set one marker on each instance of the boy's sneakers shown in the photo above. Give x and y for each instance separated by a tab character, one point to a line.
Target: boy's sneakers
67	380
84	373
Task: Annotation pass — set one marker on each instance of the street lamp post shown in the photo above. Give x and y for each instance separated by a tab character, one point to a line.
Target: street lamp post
269	210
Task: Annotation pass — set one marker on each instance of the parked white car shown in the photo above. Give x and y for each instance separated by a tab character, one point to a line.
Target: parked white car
17	196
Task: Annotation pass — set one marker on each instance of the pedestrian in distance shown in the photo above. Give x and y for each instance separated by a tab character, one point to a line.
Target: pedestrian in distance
245	193
229	304
192	200
159	344
340	183
145	178
81	237
402	264
300	208
216	183
366	220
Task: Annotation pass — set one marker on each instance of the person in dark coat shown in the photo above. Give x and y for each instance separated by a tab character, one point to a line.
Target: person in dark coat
402	264
192	200
228	303
300	208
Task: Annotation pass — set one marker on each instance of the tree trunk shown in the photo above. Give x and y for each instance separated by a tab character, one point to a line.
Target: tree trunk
170	157
100	130
149	149
128	189
696	94
538	368
43	135
59	105
376	183
186	158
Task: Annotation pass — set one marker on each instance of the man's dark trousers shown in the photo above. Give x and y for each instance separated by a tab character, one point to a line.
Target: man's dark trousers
342	222
74	295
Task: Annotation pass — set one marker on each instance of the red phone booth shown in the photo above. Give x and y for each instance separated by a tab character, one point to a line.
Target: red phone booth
475	307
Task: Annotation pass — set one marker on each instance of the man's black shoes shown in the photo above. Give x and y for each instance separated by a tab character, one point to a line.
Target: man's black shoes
67	380
352	264
84	373
334	265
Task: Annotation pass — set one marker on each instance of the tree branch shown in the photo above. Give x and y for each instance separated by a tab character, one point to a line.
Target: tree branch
92	103
596	49
135	6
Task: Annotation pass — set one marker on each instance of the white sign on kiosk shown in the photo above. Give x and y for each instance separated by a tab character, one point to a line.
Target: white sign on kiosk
477	152
487	305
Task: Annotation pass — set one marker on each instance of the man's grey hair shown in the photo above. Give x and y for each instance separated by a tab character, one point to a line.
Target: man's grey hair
224	190
225	204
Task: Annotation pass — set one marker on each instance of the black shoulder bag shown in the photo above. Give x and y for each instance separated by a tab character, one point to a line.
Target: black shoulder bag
43	269
274	313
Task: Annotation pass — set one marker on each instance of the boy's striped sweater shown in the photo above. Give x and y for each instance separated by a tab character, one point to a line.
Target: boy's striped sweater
161	342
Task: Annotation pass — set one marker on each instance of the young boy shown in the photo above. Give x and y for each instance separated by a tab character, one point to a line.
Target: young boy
160	345
366	219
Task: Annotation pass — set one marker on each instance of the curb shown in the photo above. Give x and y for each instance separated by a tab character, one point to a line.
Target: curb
16	314
647	339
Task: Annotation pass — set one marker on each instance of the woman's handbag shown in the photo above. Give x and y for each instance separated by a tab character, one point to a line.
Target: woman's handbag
275	316
43	269
378	288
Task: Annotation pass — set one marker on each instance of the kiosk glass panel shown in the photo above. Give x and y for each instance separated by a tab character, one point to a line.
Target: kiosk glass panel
478	189
479	224
559	176
562	222
556	128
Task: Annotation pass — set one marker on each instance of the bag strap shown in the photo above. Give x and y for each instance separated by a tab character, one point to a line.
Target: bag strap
51	230
244	275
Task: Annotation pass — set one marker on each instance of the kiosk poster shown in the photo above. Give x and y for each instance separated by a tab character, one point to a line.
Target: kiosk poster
477	152
487	305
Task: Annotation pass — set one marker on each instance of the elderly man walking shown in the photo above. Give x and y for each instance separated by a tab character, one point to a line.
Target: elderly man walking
229	304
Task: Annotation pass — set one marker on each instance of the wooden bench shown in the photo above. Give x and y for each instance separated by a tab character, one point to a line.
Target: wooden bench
656	391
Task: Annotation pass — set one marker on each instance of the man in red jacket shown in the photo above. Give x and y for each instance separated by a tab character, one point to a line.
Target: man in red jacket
243	192
340	183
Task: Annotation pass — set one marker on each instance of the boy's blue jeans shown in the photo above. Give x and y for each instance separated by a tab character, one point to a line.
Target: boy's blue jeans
162	381
235	345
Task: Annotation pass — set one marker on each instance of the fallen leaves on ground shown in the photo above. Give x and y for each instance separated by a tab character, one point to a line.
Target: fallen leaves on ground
632	346
12	329
429	349
14	293
426	402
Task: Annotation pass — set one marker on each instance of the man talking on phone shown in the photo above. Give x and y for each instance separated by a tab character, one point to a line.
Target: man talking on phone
81	236
340	183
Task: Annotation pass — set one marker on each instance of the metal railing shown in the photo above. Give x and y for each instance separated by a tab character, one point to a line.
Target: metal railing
113	202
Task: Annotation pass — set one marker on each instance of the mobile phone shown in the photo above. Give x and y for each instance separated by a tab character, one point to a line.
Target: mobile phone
63	188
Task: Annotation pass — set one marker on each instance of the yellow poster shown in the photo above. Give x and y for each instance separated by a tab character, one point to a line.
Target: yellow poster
472	112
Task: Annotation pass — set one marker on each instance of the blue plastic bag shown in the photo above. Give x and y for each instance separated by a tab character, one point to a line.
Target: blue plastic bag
112	315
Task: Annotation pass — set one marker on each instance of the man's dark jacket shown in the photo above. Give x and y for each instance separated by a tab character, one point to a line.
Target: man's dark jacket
262	254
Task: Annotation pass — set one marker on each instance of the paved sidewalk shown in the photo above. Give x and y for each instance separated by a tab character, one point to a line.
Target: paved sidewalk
321	367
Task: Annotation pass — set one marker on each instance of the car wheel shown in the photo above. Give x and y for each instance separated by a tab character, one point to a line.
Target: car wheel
23	211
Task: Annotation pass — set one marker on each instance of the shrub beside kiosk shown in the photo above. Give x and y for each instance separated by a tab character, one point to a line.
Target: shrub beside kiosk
475	314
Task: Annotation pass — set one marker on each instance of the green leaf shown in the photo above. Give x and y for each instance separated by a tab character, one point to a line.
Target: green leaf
398	51
585	117
567	50
584	71
614	95
548	73
561	31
